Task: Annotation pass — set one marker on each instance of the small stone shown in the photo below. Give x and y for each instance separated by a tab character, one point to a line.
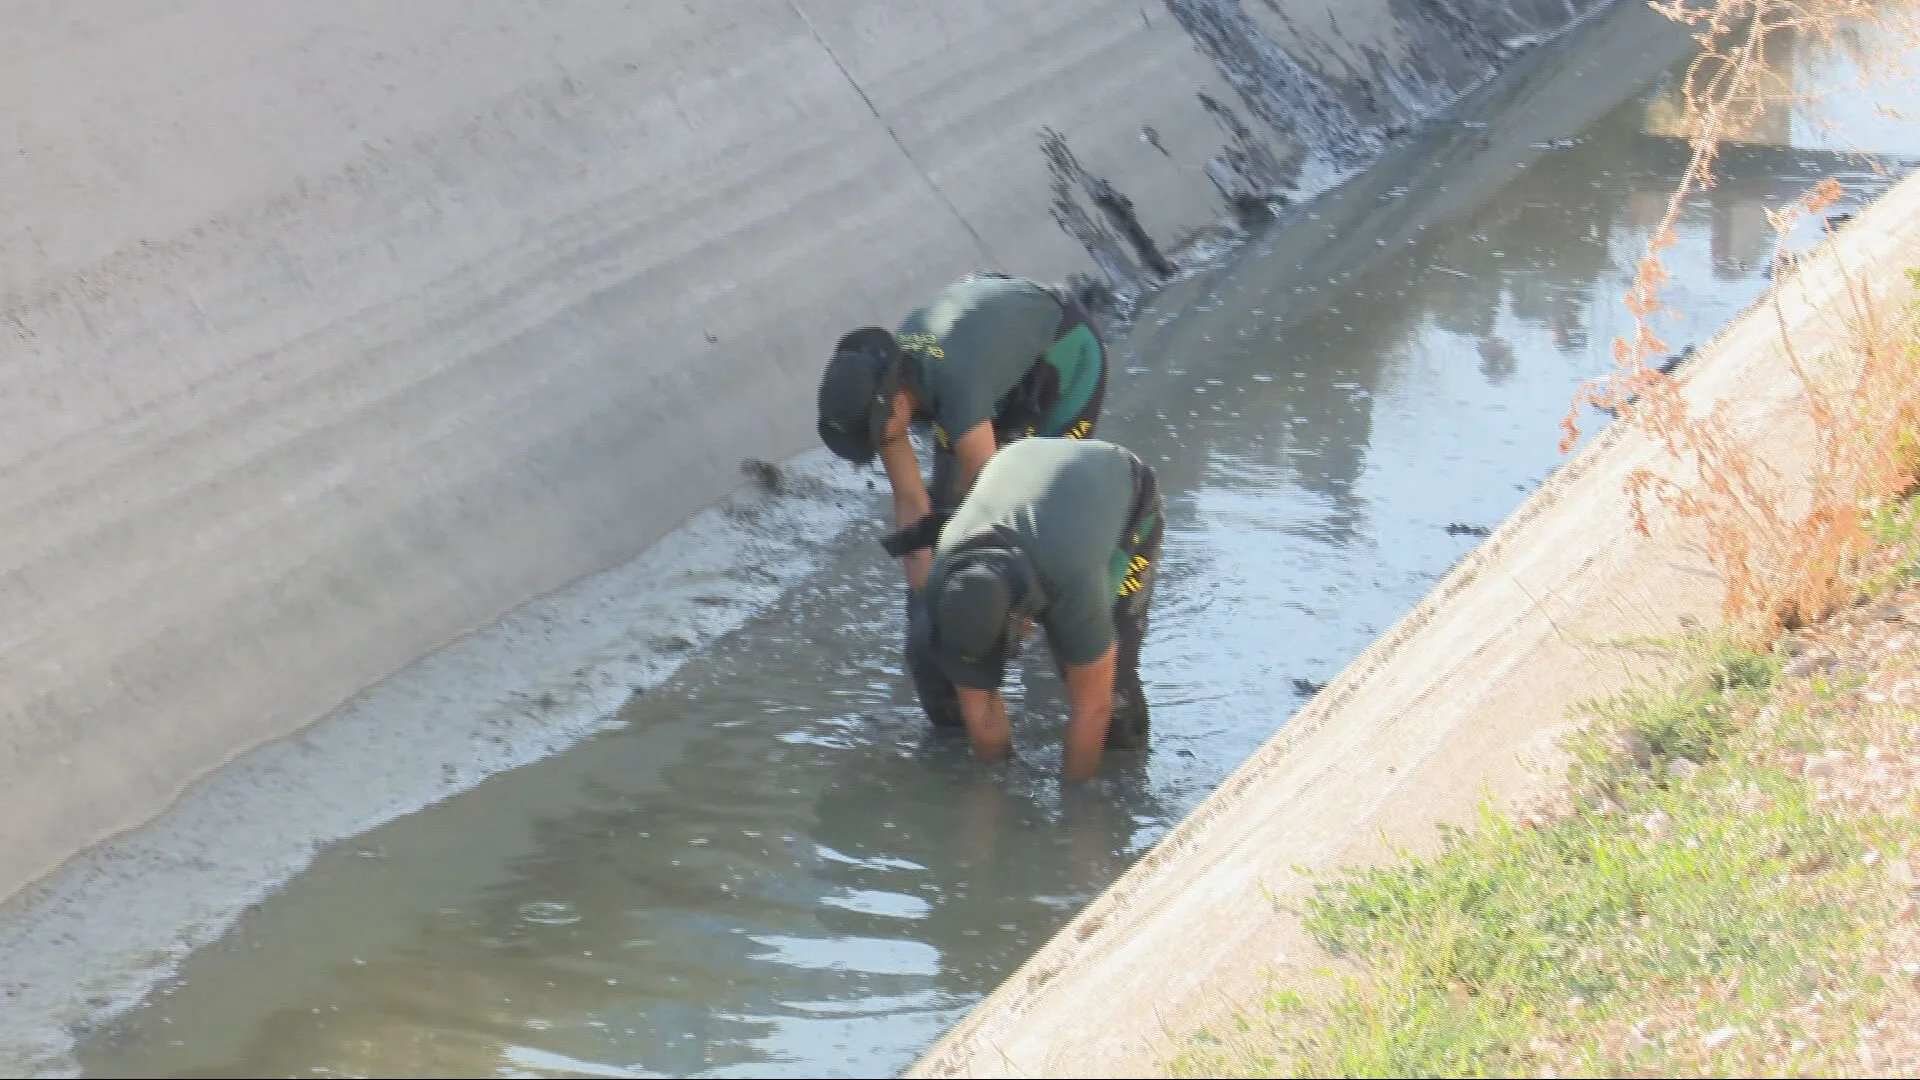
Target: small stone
1634	747
1812	663
1873	753
1825	764
1656	823
1871	858
1684	768
1718	1038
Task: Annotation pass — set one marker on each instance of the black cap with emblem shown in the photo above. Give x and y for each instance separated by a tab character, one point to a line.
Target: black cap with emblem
978	608
856	393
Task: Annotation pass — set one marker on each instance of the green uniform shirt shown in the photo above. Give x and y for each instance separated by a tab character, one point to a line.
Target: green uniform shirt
1065	502
971	344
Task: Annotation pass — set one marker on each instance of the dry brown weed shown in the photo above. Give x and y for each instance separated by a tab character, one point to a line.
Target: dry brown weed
1782	543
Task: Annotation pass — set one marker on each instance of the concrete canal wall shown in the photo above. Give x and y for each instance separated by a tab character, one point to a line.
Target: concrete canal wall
330	332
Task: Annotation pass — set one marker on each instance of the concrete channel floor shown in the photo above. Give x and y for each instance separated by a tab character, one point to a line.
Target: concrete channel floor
1464	700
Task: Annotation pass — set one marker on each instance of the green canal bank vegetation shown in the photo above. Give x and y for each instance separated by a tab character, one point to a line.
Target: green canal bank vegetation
1727	880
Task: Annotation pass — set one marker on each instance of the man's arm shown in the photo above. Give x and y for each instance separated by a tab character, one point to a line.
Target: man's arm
910	501
985	713
1090	711
970	453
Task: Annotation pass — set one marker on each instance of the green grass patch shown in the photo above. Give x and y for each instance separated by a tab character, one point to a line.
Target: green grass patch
1692	889
1895	528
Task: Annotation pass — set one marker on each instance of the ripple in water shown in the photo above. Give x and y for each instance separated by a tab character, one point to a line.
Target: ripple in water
549	913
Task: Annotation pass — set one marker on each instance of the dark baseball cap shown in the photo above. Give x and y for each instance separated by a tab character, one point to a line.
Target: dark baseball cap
974	614
856	393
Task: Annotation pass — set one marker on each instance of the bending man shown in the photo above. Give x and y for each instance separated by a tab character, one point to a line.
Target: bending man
1066	534
989	360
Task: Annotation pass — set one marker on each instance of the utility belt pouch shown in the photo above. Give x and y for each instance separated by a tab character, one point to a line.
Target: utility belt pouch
1037	392
1028	402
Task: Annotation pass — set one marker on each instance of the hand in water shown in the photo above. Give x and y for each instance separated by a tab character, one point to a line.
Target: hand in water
1095	829
984	811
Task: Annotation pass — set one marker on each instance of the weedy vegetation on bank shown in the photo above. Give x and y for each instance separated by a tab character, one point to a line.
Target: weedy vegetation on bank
1728	884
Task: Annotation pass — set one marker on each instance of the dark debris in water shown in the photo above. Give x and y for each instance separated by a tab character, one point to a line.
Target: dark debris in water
1667	365
1458	529
764	474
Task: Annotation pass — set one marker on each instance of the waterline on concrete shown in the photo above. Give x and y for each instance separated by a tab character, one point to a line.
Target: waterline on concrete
98	935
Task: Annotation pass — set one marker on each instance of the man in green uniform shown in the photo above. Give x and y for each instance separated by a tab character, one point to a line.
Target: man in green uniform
1066	533
989	360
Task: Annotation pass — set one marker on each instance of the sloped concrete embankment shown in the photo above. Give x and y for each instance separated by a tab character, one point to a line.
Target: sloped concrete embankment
331	332
1465	698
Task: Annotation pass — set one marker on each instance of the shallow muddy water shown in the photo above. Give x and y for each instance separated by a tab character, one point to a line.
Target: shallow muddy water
771	867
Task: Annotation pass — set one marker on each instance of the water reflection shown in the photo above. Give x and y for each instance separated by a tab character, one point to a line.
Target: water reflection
775	869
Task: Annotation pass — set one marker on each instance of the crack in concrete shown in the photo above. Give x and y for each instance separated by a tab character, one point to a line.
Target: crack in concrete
927	178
